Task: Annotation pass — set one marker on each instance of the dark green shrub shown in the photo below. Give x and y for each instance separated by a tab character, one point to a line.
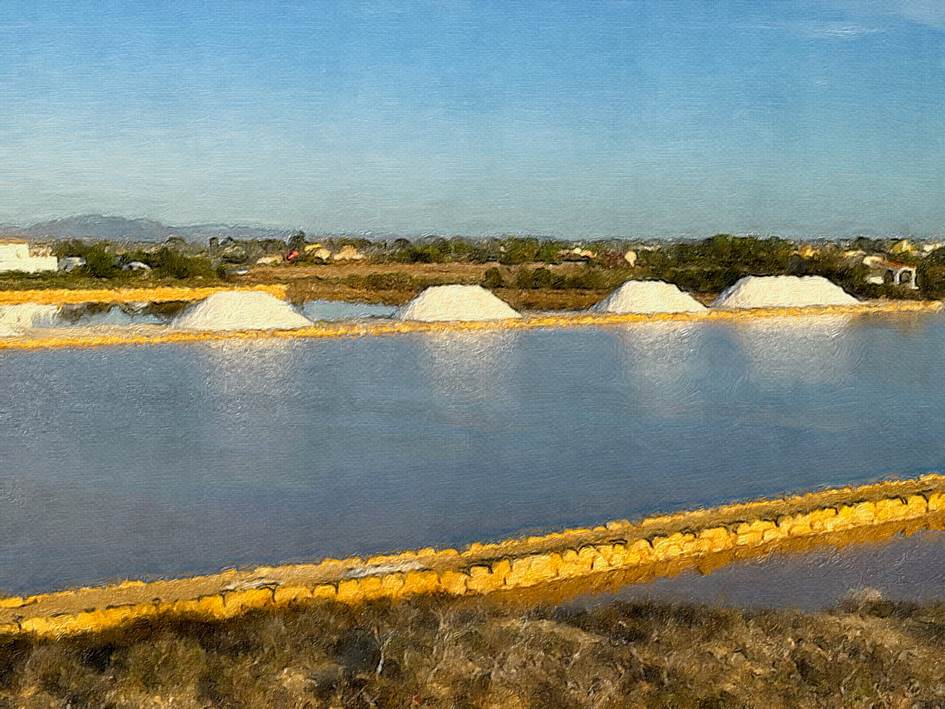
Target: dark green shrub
297	241
380	281
99	263
170	263
492	279
517	250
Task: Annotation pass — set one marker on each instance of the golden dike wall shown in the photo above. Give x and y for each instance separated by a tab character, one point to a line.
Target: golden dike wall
153	336
162	294
657	544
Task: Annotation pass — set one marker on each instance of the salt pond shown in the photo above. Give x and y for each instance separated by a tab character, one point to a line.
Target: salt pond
177	459
341	310
129	314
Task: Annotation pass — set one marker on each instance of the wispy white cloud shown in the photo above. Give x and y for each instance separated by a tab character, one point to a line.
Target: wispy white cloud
822	30
925	12
856	19
929	13
838	30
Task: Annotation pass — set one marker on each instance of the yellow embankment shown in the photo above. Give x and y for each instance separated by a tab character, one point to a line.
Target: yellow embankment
163	294
145	335
564	562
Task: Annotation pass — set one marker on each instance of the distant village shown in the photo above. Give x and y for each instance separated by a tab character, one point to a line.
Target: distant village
867	266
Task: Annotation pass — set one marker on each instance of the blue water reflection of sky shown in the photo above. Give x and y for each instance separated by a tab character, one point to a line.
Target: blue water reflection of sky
144	461
904	568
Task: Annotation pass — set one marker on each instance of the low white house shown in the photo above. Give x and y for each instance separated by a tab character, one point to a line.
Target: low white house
892	273
71	263
15	256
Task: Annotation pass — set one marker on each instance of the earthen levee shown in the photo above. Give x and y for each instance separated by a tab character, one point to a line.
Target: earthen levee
152	335
158	294
617	552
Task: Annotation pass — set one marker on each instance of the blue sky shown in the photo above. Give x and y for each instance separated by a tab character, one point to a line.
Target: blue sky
569	118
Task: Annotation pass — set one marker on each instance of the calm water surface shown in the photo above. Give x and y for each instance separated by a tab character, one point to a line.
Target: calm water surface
168	460
902	569
343	310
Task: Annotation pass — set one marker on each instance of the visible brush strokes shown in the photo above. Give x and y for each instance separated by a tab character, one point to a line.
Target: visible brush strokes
333	333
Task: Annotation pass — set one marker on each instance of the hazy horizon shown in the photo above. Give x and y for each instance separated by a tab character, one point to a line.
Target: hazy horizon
612	119
249	230
10	229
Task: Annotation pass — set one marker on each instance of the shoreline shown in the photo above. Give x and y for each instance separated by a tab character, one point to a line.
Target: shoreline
152	335
160	294
557	565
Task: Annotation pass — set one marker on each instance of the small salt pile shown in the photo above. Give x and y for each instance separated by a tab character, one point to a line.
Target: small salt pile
648	297
27	315
7	331
240	310
783	292
445	303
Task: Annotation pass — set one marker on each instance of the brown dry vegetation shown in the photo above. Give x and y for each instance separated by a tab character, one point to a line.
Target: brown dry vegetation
454	272
441	652
389	283
397	283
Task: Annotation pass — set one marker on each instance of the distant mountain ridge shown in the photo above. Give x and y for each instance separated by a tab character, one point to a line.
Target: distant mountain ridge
116	228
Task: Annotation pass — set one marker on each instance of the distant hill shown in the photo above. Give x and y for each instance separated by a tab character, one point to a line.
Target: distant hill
115	228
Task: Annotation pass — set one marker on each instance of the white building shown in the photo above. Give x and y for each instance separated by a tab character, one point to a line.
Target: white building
15	256
71	263
891	273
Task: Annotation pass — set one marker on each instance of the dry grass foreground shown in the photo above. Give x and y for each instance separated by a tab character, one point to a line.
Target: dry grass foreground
446	652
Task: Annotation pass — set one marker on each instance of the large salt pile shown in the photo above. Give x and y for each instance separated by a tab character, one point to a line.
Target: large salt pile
240	310
441	303
648	297
782	292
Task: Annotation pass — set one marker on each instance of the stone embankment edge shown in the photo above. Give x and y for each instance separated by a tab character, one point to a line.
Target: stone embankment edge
656	544
162	294
144	336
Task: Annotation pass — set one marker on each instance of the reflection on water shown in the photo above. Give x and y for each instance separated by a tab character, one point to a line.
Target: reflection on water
467	366
786	349
343	310
107	314
32	315
661	364
238	378
27	315
905	568
240	368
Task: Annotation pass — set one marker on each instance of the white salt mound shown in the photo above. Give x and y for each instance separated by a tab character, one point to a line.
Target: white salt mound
648	297
240	310
442	303
26	315
7	331
782	292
